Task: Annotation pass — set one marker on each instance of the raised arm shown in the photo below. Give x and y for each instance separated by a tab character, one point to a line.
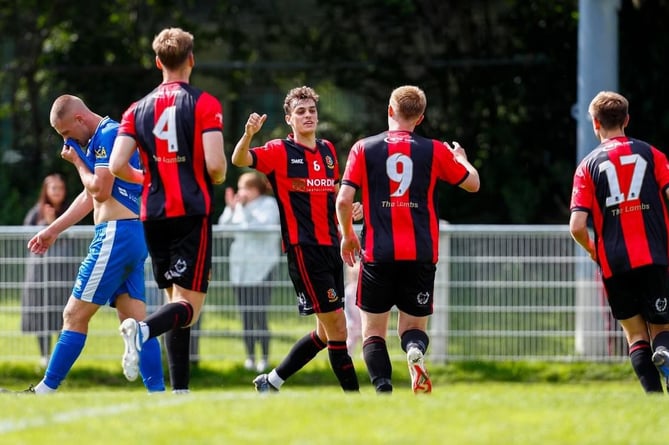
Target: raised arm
98	182
241	156
473	182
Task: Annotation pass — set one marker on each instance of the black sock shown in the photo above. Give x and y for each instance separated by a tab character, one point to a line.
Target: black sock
661	339
380	369
641	358
169	316
300	354
342	365
415	337
177	345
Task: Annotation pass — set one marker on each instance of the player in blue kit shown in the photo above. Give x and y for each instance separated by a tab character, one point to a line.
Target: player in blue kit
113	271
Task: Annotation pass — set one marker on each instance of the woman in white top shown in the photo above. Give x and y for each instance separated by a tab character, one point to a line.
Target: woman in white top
254	255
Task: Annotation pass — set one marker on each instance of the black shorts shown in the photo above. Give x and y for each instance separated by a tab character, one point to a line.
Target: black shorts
180	251
640	291
409	285
317	273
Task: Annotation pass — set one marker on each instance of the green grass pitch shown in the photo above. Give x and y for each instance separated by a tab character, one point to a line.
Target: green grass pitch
459	413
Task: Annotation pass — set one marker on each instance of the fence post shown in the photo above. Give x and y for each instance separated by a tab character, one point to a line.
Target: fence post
589	324
439	324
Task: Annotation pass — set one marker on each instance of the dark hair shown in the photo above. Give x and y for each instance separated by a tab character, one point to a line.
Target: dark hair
610	109
297	94
43	199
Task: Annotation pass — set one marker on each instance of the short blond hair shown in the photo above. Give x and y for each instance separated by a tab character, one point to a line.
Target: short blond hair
65	105
173	46
408	101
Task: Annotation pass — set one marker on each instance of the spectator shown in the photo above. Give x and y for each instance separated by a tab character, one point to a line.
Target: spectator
45	294
253	259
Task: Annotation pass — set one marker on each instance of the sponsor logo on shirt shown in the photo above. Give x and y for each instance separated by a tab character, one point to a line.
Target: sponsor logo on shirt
166	160
313	185
100	153
398	139
297	161
391	204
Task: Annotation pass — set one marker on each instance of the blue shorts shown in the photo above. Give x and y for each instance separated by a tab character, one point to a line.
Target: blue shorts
114	265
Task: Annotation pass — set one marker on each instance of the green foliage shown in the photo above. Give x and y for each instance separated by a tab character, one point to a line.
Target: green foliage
231	374
500	78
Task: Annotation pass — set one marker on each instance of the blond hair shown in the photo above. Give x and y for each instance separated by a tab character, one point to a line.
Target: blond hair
172	47
409	102
64	105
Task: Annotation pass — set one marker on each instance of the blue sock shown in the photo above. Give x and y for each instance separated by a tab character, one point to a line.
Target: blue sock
67	350
151	365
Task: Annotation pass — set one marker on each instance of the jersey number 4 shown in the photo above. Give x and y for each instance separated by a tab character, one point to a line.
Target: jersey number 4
165	129
616	196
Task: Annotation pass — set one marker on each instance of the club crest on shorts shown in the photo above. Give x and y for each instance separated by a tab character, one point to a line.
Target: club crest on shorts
177	269
423	297
332	295
302	302
661	304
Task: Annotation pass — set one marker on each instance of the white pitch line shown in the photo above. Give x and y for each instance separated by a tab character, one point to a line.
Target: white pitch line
12	426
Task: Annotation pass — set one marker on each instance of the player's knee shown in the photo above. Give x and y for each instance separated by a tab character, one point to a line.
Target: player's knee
196	317
75	318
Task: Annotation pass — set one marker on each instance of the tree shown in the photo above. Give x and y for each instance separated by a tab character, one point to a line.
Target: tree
99	51
500	77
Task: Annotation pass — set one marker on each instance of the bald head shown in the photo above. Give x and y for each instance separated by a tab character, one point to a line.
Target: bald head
64	106
70	117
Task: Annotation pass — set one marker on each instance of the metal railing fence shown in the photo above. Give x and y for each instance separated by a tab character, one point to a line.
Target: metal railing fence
502	293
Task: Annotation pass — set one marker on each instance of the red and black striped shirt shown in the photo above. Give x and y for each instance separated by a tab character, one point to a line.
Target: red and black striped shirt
168	125
304	181
622	184
397	172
